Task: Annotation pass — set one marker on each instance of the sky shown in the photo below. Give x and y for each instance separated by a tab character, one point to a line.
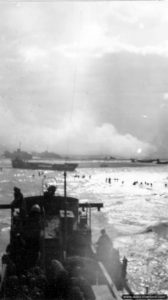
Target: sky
84	78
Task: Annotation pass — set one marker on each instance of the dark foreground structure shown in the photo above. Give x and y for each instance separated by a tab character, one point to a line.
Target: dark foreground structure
51	256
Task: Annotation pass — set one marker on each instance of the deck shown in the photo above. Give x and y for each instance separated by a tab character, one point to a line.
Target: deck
102	292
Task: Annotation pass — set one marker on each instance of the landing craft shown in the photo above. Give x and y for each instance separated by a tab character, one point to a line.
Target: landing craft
51	255
21	164
143	160
162	162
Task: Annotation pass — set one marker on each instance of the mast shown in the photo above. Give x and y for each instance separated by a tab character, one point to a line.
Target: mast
65	217
65	175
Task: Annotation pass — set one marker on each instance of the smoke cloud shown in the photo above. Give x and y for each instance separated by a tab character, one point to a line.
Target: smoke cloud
84	78
77	136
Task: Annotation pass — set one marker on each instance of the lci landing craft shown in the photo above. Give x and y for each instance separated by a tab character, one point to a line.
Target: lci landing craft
51	256
21	164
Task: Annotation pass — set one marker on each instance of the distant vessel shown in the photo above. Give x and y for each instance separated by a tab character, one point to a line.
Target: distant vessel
156	161
163	162
21	164
143	160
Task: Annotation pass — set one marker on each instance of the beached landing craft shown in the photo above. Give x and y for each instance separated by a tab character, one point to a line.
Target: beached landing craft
51	256
32	165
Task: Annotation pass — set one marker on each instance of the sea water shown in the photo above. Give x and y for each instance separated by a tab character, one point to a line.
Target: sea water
135	212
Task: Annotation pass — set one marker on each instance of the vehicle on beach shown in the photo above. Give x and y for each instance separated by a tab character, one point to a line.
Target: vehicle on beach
51	256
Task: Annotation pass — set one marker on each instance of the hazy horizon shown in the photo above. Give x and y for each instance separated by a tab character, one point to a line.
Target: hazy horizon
81	156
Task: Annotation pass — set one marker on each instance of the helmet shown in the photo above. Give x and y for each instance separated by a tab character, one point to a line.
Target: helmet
52	189
35	208
16	189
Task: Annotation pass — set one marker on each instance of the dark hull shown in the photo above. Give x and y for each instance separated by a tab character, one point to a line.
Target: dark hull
19	164
162	162
144	160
